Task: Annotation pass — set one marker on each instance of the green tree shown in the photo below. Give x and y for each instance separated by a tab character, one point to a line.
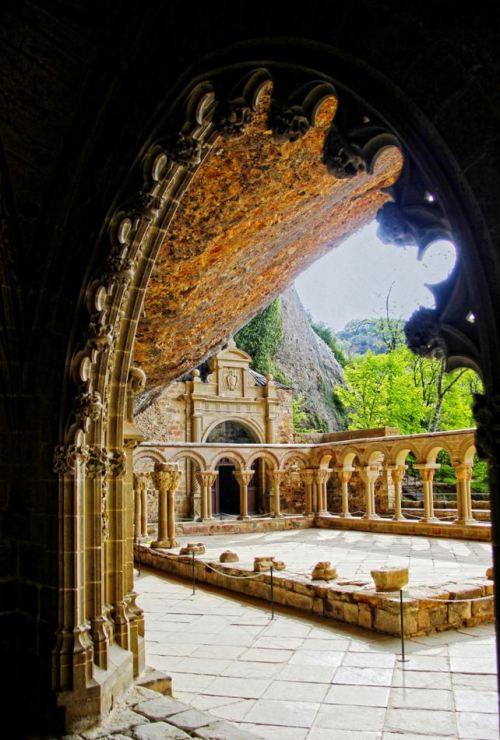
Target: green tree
327	334
261	337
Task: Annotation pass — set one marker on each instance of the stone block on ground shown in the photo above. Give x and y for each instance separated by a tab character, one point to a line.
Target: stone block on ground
159	731
228	557
323	571
160	707
156	681
190	720
198	548
121	719
223	731
390	579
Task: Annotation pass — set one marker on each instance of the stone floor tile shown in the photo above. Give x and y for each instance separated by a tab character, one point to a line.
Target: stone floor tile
159	708
427	663
319	734
223	731
205	703
363	676
332	645
287	628
352	718
369	696
233	712
316	657
251	688
369	660
406	736
307	673
274	732
227	652
475	681
158	731
190	682
421	699
421	721
285	713
169	648
190	719
248	669
202	666
475	725
285	643
299	691
419	679
266	655
473	665
467	700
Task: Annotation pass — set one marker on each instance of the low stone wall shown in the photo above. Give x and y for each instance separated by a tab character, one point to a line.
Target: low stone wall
480	531
239	526
426	610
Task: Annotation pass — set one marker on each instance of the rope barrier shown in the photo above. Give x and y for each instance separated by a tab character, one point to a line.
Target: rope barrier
228	575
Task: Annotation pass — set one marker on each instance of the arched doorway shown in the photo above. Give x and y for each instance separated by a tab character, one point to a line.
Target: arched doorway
101	374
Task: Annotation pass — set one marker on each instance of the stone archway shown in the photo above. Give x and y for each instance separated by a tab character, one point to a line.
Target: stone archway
94	458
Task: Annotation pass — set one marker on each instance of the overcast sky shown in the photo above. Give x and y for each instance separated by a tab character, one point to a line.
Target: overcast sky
352	281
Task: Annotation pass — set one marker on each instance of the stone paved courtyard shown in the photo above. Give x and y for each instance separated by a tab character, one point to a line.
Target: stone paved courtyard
430	560
296	677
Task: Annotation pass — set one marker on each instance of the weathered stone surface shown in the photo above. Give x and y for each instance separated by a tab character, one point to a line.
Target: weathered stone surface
120	720
223	731
140	694
190	719
390	579
158	731
323	571
198	548
489	573
228	557
160	707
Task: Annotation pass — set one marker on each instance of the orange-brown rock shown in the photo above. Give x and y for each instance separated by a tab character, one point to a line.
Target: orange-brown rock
256	213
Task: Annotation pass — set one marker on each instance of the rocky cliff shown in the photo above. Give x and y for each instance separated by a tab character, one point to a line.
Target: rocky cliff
309	364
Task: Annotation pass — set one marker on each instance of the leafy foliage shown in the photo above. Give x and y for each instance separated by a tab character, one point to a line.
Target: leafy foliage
261	337
412	393
376	335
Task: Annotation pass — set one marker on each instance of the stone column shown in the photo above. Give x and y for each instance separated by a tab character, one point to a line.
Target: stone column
369	475
427	472
307	479
243	477
463	472
276	478
345	474
206	479
144	508
166	478
321	478
397	475
140	487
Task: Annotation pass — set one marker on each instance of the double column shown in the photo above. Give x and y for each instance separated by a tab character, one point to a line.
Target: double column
243	477
321	476
276	477
397	474
166	477
206	478
463	473
307	478
369	475
427	471
345	473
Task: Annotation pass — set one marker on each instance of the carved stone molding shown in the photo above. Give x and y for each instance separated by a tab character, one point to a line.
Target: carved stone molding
101	334
117	463
88	405
291	118
185	150
423	334
233	116
97	462
67	457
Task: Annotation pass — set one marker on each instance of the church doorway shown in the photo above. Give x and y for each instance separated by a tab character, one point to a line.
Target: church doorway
226	491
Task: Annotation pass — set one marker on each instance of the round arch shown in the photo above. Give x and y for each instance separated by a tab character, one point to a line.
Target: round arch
238	460
112	299
189	455
142	456
263	455
248	424
295	455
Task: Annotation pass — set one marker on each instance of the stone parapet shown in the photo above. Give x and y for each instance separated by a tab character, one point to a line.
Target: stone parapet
427	609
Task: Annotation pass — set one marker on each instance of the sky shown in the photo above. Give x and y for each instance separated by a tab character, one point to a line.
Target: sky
352	281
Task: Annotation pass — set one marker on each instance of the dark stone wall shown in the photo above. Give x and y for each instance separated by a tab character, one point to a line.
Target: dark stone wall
81	86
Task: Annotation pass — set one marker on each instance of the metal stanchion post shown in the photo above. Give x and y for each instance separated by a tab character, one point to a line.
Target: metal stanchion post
403	658
193	574
272	593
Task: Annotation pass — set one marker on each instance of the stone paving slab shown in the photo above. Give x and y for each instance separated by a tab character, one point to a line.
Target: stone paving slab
362	693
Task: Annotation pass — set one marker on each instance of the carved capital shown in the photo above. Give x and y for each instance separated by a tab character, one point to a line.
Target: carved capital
307	476
207	477
398	473
166	477
117	463
67	457
463	472
97	462
141	482
321	476
244	476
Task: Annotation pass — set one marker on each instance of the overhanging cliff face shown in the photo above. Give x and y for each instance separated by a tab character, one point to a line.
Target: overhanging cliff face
256	213
309	364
